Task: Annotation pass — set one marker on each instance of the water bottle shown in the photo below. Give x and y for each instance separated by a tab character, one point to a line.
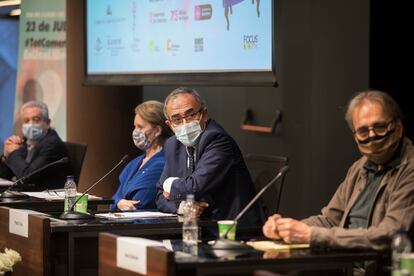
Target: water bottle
190	227
70	193
400	244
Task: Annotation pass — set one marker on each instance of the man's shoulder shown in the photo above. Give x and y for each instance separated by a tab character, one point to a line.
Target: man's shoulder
52	136
408	150
214	127
214	131
407	155
53	142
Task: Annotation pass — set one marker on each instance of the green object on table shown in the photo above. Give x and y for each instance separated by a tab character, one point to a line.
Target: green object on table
223	228
407	263
81	205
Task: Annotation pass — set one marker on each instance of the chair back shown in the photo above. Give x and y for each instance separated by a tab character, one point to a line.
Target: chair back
76	154
263	168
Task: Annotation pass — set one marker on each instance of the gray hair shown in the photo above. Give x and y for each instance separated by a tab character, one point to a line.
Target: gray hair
41	105
184	90
389	105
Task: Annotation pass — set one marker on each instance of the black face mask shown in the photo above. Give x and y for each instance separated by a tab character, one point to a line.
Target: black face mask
379	149
376	137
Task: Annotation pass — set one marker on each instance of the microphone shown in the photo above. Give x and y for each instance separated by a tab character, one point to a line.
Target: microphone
223	243
12	194
70	214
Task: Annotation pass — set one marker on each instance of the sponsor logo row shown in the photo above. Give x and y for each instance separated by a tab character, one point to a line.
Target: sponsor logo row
249	42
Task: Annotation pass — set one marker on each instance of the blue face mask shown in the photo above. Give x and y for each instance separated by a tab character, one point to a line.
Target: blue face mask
189	133
33	131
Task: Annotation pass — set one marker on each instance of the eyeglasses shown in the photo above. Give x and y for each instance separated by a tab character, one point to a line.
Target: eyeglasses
378	128
189	116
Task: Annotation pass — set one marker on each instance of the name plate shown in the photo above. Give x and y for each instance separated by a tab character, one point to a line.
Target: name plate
131	253
19	222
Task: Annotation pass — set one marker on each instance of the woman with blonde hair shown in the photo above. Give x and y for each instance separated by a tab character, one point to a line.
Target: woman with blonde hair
138	180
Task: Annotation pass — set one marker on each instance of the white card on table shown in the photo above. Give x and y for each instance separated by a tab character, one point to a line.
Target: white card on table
131	253
19	222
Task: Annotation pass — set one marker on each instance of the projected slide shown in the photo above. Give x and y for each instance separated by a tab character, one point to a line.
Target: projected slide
178	36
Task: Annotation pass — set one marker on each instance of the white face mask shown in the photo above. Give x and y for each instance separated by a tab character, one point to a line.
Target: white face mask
33	131
140	140
189	133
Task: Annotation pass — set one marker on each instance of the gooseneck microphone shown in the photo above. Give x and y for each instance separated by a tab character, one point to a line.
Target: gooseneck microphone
8	193
70	214
223	243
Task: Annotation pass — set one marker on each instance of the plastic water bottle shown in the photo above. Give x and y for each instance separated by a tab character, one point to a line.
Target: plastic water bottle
190	227
70	193
400	244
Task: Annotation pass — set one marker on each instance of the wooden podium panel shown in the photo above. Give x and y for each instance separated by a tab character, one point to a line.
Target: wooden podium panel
35	250
160	261
209	262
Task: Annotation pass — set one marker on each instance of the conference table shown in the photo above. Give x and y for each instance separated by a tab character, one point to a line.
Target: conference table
55	247
172	261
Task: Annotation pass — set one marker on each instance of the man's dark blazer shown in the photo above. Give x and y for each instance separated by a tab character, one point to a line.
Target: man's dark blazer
50	148
220	177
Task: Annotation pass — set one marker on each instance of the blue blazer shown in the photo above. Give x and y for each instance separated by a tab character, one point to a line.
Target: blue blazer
220	177
140	184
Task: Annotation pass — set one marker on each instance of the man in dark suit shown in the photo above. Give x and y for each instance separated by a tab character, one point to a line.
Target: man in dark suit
202	159
39	146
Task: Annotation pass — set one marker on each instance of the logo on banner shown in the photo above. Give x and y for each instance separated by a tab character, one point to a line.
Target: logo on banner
199	44
171	46
250	41
203	12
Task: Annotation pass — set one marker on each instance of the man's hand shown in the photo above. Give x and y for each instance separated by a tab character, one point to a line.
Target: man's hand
270	227
11	144
200	206
15	140
293	231
126	205
166	195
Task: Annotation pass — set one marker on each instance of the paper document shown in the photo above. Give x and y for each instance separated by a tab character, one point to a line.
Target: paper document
58	194
135	215
5	182
48	195
272	245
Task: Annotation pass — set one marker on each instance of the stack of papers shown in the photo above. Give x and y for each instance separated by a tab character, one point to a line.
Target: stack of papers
272	245
135	215
48	195
55	195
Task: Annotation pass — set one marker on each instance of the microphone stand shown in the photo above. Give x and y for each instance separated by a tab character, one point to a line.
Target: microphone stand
223	243
8	193
71	214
